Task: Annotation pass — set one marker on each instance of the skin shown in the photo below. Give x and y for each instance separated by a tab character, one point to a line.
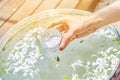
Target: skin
79	26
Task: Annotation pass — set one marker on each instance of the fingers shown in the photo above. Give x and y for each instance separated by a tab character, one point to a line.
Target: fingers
76	36
58	23
87	32
67	37
63	27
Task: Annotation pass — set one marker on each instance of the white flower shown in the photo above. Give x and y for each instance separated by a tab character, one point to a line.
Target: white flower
77	63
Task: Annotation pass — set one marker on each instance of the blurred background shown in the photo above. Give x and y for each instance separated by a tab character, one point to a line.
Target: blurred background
12	11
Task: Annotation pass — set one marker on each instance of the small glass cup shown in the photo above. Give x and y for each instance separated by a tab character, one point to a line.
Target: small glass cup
50	39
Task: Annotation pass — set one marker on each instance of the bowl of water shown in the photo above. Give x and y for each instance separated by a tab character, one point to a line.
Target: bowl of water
28	52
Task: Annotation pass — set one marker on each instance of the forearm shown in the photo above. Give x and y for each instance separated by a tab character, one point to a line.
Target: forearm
106	15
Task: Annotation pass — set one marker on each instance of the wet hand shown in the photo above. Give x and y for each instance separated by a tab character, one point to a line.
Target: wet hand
72	27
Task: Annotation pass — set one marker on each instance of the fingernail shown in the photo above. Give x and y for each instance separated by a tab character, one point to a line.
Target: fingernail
61	49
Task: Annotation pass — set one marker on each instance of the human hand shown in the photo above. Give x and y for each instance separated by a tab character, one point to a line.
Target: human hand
79	26
73	27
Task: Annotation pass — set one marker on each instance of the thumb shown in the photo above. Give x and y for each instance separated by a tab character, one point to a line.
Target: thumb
67	37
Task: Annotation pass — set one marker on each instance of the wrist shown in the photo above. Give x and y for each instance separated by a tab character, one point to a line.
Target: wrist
95	21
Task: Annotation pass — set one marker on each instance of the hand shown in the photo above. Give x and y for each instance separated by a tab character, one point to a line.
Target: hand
72	27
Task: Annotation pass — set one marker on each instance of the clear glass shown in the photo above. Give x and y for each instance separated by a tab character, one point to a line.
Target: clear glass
50	38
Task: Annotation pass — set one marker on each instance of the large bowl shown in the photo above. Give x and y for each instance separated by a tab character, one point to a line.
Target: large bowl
22	57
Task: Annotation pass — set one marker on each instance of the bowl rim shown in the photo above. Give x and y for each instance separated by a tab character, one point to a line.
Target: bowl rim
15	28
